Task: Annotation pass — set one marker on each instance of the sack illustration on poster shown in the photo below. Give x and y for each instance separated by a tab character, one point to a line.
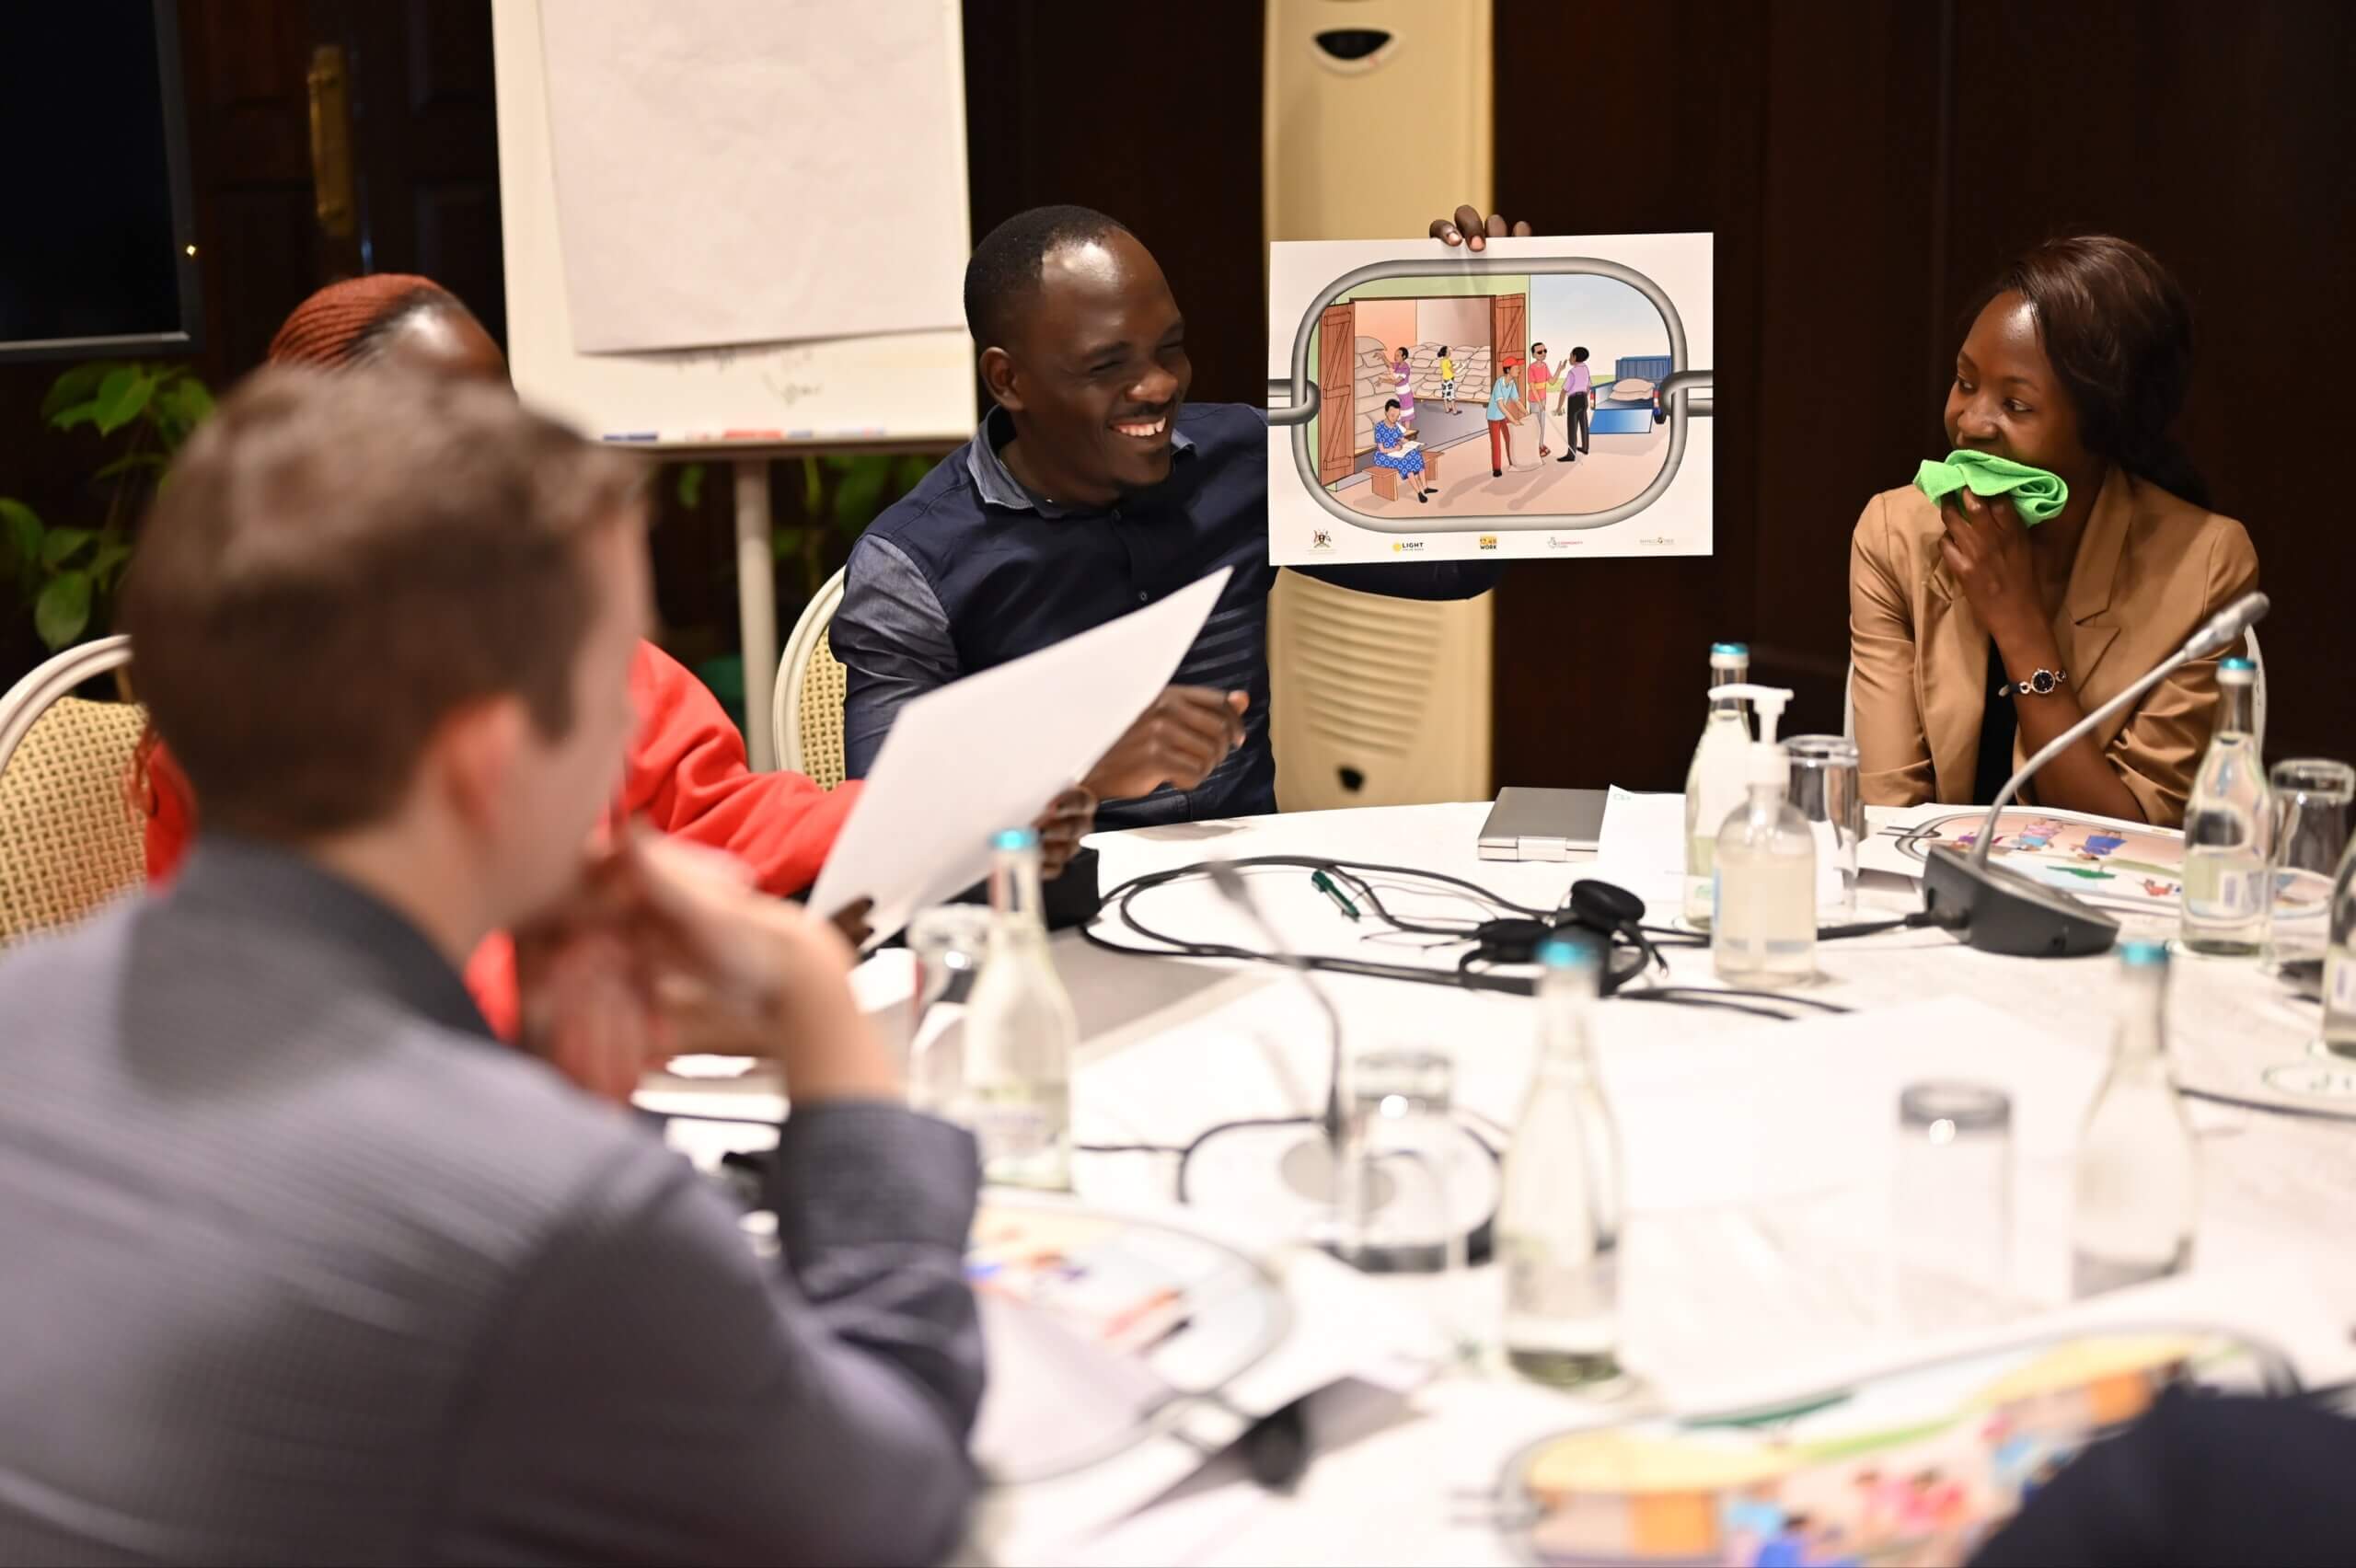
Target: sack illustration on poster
1484	403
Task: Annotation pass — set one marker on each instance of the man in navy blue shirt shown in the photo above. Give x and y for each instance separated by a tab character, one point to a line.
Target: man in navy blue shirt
1093	487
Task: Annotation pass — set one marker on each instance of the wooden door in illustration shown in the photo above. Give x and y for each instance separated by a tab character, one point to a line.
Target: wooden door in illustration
1337	414
1509	334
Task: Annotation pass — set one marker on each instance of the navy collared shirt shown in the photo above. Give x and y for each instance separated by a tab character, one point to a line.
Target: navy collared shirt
970	570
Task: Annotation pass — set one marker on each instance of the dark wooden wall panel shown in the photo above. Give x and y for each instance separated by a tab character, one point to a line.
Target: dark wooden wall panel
2222	137
1865	167
1152	115
1600	666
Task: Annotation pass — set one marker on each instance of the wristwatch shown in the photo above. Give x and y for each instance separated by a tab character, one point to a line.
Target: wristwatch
2042	683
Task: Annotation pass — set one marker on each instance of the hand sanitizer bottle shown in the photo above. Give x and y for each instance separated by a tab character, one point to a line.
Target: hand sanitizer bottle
1762	931
1714	784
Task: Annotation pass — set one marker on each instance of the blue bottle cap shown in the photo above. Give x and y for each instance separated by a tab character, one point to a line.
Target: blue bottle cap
1015	839
2144	955
1567	952
1739	650
2237	664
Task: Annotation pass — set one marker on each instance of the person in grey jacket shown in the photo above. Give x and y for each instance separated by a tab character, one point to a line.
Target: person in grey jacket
301	1265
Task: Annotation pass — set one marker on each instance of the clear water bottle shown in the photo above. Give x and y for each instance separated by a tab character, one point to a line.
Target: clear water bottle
1558	1223
1714	783
1019	1031
1764	929
2339	962
2229	830
2139	1168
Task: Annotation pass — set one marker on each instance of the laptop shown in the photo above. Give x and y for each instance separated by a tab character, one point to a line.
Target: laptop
1542	825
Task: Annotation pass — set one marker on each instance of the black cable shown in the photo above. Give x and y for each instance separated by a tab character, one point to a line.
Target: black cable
1872	928
1465	976
1186	1155
1716	997
1513	986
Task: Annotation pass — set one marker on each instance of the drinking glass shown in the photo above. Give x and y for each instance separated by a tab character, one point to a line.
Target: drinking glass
1824	789
1410	1193
948	942
2311	821
1952	1215
1393	1198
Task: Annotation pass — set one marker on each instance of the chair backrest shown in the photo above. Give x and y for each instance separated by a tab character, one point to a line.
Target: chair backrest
807	706
70	837
1849	702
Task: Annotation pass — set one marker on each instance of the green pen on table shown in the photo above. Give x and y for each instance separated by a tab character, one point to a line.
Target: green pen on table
1325	885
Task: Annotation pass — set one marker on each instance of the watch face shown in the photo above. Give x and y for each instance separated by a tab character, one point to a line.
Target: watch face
2041	683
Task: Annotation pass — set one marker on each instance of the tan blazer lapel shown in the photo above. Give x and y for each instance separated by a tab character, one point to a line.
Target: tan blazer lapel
2089	625
1950	678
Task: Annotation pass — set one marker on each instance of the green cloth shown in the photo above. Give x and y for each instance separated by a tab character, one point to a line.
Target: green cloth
2035	494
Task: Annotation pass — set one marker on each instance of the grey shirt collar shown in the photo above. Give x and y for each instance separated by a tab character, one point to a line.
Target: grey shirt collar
997	481
308	908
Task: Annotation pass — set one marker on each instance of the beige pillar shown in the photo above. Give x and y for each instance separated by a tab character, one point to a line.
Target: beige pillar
1378	119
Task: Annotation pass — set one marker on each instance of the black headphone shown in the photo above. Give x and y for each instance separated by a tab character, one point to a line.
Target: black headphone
1609	914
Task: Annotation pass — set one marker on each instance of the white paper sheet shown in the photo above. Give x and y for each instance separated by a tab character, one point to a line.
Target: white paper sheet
1643	830
746	171
989	752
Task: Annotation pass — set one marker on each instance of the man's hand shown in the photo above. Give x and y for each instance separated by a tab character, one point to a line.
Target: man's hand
1986	546
669	949
1070	817
1471	231
582	1011
851	921
1186	733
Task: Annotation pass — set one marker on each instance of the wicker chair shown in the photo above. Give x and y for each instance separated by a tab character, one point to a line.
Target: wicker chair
808	704
70	838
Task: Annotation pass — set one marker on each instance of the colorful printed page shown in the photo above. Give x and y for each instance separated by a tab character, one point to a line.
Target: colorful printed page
2127	868
1098	1324
1917	1467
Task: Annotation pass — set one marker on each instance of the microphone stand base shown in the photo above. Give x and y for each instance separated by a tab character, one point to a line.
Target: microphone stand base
1997	909
1267	1168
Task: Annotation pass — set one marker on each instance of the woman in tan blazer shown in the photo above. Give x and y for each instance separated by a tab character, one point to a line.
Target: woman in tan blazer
1975	638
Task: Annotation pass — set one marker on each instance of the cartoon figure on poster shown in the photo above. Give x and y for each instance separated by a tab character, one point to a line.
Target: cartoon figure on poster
1582	360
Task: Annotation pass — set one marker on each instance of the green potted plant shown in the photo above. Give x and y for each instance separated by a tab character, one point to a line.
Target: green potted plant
840	496
65	573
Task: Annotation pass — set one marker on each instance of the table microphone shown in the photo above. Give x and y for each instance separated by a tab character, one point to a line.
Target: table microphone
1233	887
1997	909
1314	1168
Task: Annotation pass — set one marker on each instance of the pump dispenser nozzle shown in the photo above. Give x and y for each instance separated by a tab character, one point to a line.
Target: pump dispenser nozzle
1768	762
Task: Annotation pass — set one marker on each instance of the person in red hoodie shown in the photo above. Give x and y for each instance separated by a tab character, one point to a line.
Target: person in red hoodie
687	774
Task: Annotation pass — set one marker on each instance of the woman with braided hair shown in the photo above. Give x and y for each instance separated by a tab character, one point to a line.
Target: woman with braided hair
685	775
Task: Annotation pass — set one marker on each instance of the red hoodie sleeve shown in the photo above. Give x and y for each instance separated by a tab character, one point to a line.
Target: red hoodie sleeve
688	778
161	792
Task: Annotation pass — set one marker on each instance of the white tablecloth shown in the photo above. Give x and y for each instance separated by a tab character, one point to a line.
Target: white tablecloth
1758	1158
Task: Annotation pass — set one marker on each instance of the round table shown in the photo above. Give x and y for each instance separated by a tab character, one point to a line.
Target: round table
1758	1156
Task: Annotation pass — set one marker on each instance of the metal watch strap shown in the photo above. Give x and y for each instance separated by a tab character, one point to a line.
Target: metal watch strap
2044	683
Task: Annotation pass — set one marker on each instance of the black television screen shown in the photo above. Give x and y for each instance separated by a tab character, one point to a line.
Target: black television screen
97	233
